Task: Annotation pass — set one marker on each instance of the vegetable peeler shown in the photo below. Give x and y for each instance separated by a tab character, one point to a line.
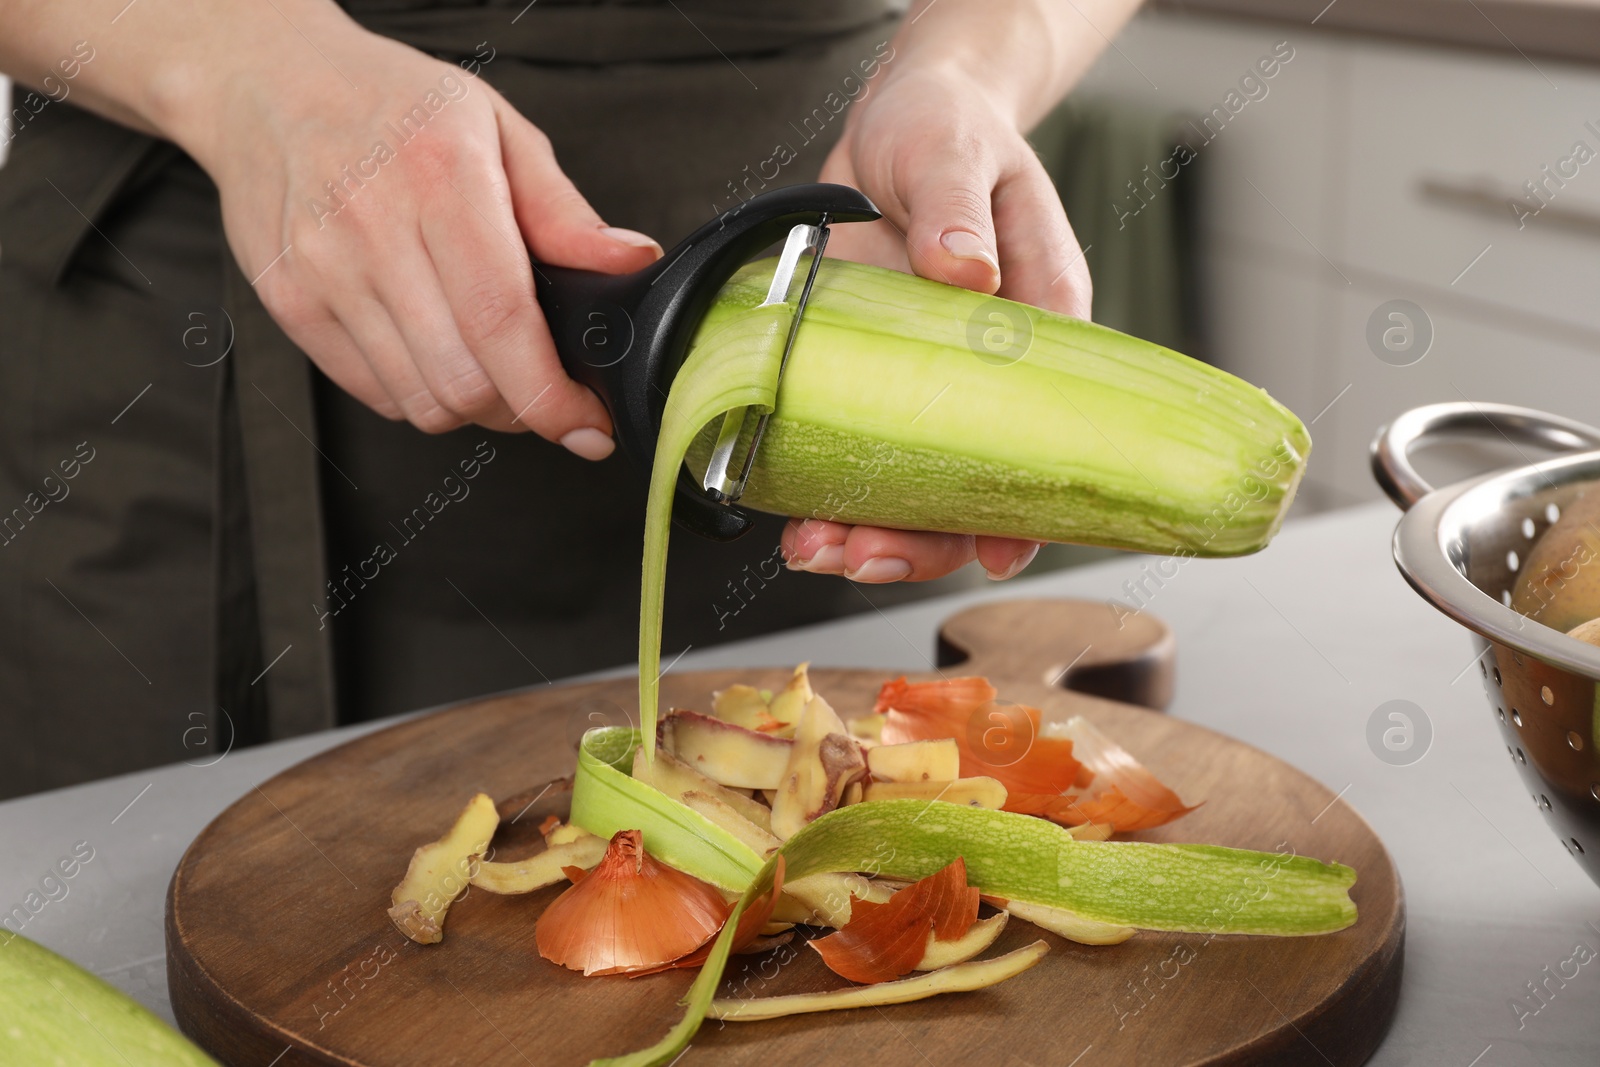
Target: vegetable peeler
626	335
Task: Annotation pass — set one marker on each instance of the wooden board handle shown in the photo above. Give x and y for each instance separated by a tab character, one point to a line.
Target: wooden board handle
1085	646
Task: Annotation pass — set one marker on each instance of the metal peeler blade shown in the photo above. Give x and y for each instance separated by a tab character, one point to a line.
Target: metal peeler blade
723	482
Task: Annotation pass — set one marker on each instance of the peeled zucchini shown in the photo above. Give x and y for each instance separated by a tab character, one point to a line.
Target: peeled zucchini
913	404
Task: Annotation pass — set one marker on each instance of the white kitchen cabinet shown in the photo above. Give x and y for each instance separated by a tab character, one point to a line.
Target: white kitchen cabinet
1471	359
1375	171
1440	142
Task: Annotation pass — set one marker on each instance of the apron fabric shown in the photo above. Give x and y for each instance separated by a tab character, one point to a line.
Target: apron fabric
204	544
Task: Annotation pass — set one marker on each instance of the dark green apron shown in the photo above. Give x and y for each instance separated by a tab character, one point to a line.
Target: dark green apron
204	544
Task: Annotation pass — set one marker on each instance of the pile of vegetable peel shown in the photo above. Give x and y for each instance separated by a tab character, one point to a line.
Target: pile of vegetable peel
773	815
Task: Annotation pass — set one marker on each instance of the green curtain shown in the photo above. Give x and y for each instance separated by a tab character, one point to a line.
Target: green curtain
1109	159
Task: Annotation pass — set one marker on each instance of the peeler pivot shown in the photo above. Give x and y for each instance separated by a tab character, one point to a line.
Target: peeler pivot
721	482
626	335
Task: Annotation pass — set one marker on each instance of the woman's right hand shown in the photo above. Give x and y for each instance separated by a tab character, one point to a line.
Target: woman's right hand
384	205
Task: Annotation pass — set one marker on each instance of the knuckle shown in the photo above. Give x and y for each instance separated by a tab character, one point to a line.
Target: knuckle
423	410
431	418
494	314
968	205
469	393
290	304
538	140
433	156
566	201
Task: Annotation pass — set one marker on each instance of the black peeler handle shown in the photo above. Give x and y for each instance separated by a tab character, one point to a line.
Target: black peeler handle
626	335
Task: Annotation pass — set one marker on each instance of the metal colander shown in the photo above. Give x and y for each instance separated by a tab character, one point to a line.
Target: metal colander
1460	547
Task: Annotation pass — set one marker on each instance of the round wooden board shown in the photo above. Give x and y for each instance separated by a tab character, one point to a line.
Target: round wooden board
280	952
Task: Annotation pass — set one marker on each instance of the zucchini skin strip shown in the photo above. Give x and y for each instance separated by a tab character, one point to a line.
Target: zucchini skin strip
1195	888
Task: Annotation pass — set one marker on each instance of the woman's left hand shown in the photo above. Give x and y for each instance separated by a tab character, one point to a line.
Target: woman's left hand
966	202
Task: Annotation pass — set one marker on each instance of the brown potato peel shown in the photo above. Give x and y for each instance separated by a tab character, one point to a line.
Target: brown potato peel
440	871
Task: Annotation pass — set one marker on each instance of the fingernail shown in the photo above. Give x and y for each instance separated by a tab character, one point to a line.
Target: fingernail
1016	566
829	559
589	443
965	245
880	569
630	237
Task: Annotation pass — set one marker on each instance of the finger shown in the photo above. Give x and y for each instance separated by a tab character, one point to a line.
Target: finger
877	243
555	219
329	345
385	352
815	545
471	236
950	232
316	330
1005	557
874	555
412	292
1044	265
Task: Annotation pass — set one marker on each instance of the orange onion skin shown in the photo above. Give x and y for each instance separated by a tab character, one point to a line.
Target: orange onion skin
630	913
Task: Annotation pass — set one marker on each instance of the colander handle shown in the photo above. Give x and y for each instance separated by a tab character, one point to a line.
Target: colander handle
1391	448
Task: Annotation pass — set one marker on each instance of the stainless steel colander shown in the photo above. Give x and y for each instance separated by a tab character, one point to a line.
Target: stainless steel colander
1460	547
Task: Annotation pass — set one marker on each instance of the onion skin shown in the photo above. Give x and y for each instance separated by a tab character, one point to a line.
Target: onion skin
630	913
881	942
1070	773
986	732
746	935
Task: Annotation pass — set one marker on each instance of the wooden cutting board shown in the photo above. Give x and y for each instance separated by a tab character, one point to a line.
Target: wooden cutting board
279	950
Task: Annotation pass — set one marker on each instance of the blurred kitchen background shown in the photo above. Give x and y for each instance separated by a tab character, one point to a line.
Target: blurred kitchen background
1267	184
1432	152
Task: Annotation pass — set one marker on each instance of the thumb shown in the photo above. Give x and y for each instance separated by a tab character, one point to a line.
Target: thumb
950	233
556	221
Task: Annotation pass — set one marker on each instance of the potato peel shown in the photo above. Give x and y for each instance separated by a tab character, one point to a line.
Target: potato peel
792	699
440	871
543	869
675	778
743	705
822	898
975	792
978	938
1070	925
822	763
957	978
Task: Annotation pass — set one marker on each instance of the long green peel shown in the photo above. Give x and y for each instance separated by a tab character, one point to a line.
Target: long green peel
1199	888
606	798
733	365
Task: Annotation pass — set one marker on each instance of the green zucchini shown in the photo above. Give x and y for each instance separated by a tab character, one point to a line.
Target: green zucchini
53	1013
913	404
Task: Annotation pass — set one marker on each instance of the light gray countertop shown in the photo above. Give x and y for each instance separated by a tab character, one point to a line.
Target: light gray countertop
1290	650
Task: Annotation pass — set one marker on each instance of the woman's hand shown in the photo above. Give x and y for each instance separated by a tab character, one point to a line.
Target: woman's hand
965	201
384	209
